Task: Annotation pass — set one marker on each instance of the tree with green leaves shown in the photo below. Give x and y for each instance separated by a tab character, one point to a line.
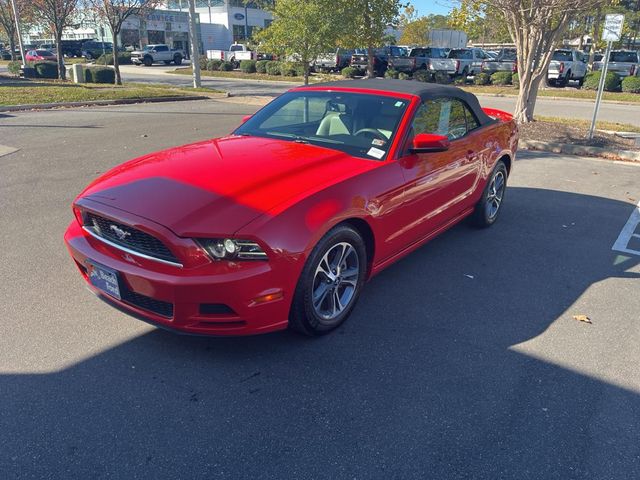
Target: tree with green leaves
415	28
364	23
302	30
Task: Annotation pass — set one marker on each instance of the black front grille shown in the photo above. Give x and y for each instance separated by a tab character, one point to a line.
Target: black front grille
133	239
159	307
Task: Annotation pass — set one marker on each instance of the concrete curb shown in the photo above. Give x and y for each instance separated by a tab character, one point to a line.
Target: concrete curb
568	149
98	103
572	99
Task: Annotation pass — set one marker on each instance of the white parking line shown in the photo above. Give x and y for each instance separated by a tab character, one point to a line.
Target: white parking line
4	150
629	231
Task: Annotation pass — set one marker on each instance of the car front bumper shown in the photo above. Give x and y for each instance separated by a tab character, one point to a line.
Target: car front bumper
221	299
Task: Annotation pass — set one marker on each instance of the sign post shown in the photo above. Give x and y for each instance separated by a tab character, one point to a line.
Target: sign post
610	33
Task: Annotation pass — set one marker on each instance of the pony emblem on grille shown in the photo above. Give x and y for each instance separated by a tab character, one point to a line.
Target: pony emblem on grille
120	233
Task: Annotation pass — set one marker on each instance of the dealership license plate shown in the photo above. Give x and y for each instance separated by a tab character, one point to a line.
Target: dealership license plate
105	279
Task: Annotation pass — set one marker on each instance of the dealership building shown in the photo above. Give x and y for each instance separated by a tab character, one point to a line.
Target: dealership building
219	24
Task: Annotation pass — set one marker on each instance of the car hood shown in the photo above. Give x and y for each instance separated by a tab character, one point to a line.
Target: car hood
219	186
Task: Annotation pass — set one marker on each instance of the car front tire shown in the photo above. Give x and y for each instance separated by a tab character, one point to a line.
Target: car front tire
330	283
489	206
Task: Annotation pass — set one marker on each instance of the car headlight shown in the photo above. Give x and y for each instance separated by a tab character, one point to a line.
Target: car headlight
231	248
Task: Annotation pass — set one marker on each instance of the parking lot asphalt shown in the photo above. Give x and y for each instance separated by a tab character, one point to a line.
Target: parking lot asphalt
461	361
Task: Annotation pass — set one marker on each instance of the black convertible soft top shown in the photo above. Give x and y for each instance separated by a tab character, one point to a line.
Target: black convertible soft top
420	89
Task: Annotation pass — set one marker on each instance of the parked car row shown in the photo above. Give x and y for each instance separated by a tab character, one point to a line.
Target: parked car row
566	64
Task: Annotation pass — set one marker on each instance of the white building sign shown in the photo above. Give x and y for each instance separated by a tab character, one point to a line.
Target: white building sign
612	27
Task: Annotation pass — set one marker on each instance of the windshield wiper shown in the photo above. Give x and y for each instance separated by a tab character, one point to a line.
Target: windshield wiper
295	138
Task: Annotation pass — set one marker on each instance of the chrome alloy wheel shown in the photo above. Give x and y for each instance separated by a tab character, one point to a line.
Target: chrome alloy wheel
335	281
495	194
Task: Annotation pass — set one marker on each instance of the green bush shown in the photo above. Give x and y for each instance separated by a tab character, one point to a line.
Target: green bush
631	85
14	67
273	68
225	67
611	81
100	75
124	58
404	76
261	66
460	81
46	69
213	65
299	67
502	78
422	76
442	77
515	80
482	79
349	72
203	62
287	69
248	66
391	73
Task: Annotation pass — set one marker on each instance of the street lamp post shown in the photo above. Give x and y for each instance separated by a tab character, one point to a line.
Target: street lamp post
19	34
195	50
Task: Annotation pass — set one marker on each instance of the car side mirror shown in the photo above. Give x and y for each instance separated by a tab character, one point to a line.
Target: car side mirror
246	117
429	142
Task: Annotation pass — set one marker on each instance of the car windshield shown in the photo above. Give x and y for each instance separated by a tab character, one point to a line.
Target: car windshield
462	53
627	57
562	56
507	55
361	125
149	47
398	51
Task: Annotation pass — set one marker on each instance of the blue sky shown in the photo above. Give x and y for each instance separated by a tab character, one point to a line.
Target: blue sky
425	7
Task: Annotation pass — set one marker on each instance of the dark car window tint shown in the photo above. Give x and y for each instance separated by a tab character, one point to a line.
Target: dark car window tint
463	54
562	56
162	48
444	116
630	57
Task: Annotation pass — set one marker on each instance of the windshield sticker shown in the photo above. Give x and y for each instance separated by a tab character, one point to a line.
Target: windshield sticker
398	104
376	152
378	142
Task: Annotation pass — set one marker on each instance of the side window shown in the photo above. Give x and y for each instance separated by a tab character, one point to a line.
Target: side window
444	116
162	48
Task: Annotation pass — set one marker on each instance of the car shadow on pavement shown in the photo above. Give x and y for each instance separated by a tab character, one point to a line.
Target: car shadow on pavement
426	380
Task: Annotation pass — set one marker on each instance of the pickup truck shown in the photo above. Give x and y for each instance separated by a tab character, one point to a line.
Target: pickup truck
623	62
236	53
460	61
566	65
383	58
424	55
155	54
336	61
504	62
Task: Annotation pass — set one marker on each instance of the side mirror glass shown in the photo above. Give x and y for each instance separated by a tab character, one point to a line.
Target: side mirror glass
246	117
429	142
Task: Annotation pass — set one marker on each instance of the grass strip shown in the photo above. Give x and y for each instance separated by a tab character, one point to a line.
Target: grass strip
58	92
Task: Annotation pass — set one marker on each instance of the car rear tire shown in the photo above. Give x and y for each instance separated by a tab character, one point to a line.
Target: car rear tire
489	206
177	60
330	283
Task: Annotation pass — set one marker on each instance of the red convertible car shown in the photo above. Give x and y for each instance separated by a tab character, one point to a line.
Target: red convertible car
282	222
